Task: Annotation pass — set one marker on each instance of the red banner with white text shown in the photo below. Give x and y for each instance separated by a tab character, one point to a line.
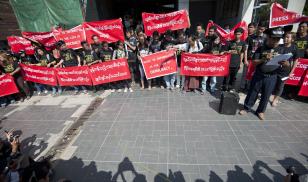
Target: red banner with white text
280	16
204	64
39	74
227	36
19	43
110	71
45	38
304	88
107	30
159	64
71	37
73	76
163	22
7	85
297	76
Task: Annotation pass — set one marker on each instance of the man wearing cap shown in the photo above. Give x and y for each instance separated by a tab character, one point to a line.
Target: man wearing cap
265	76
236	48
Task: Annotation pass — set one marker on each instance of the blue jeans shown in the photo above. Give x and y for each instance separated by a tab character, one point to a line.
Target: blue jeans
212	83
55	88
260	83
40	87
169	80
180	79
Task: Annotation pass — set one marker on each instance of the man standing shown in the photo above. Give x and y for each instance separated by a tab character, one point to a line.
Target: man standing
97	44
301	40
68	59
236	48
253	41
265	76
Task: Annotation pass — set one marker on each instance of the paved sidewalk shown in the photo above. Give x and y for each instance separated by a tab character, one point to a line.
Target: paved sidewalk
154	134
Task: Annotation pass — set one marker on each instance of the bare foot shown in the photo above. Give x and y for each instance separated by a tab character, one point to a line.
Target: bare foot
243	112
261	116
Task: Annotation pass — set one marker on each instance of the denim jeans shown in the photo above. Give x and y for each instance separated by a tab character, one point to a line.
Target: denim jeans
212	83
55	88
40	87
169	80
180	79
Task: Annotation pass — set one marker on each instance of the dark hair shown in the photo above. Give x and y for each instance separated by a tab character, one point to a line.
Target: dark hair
155	33
213	27
240	30
41	173
262	24
60	43
168	33
118	43
92	37
251	24
290	33
303	22
83	43
104	42
193	37
129	29
199	24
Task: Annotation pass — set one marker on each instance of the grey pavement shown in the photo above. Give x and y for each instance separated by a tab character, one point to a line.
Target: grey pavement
154	135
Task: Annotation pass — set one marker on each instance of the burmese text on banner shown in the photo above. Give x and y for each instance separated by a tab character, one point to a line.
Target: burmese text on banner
204	64
73	76
159	64
109	71
163	22
39	74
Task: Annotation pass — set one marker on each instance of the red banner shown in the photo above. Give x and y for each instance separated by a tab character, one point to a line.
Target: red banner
280	16
109	71
159	64
250	70
225	36
304	88
107	30
19	43
39	74
45	38
163	22
204	64
71	37
73	76
296	77
7	85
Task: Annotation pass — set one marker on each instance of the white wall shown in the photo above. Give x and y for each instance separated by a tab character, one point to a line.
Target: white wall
297	6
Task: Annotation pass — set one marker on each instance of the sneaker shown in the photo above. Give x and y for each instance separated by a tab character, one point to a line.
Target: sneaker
28	97
38	93
177	86
162	87
45	91
243	112
112	90
13	101
131	90
3	105
119	90
125	90
85	91
76	92
261	116
150	88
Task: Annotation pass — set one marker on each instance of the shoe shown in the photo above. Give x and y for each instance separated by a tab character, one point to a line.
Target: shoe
195	91
162	87
202	92
112	90
243	112
119	90
45	91
85	91
131	90
261	116
76	92
28	97
125	90
13	101
171	89
150	88
177	86
38	93
3	105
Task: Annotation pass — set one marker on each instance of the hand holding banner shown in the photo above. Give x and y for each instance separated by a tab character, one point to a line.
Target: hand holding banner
304	88
110	71
7	85
39	74
163	22
107	30
45	38
159	64
205	64
73	76
280	16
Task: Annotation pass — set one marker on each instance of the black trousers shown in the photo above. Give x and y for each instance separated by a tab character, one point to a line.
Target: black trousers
229	81
260	83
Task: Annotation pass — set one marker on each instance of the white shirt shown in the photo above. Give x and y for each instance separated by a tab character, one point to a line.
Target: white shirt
185	46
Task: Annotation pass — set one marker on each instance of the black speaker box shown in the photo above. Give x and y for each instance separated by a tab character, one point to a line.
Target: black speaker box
229	103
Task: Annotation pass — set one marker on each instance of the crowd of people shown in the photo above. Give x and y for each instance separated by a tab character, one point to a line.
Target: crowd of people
260	46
